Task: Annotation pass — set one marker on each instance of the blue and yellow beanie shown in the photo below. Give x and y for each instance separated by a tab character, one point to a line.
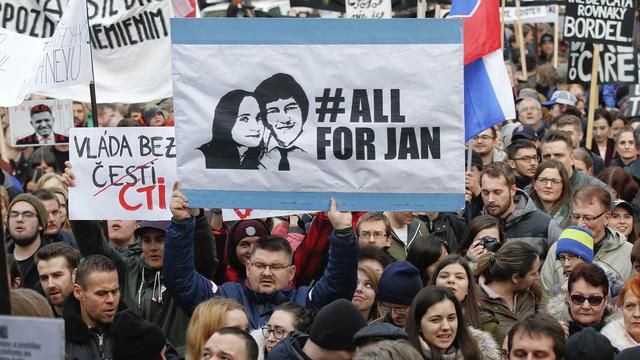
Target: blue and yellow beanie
576	240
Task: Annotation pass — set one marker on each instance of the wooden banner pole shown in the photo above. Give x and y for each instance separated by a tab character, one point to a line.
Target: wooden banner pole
556	35
520	38
593	94
504	2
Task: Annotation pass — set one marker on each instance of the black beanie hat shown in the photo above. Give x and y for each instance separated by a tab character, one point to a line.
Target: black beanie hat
135	338
589	344
399	284
37	204
335	324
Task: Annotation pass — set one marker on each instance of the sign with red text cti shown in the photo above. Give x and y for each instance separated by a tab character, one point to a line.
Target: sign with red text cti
122	173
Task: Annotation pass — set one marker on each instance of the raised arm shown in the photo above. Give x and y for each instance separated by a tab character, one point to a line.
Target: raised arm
204	247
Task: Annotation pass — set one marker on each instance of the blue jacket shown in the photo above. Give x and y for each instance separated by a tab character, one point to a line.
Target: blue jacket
190	288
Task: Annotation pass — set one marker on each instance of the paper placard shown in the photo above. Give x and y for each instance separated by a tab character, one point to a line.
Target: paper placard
25	338
41	122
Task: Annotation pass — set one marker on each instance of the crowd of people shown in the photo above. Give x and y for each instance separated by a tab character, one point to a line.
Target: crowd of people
543	262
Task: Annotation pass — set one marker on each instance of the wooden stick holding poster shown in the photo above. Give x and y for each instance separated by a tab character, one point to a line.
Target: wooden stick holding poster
556	35
520	37
504	4
593	94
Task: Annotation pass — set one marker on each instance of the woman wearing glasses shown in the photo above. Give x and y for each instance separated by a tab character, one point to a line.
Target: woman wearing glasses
587	303
286	318
551	191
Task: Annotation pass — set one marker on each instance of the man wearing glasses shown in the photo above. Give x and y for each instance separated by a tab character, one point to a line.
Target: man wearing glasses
612	251
485	145
27	222
530	113
585	304
523	159
374	229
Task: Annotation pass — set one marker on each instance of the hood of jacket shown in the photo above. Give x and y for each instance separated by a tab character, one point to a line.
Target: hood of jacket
290	348
489	349
524	206
558	308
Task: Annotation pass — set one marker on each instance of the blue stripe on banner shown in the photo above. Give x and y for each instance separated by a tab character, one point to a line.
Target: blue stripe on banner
228	199
481	107
262	31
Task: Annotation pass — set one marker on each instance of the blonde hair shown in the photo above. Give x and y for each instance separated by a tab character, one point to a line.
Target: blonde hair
208	317
27	302
48	176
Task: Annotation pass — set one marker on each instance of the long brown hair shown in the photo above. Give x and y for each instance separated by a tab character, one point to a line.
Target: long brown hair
565	196
374	277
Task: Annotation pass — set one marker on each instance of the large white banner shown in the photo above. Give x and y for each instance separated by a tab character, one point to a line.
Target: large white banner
369	112
122	173
130	41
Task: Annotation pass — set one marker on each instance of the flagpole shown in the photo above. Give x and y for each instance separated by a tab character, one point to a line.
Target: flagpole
593	94
92	87
519	35
504	2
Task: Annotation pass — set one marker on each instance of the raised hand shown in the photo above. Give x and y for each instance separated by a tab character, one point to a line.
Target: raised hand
339	219
180	205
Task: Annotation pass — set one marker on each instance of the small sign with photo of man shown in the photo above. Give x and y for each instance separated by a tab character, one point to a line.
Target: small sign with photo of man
41	122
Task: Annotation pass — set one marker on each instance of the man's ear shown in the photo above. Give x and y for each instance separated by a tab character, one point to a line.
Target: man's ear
513	190
77	292
292	272
512	164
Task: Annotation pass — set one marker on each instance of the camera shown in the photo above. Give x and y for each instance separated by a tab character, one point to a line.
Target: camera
490	243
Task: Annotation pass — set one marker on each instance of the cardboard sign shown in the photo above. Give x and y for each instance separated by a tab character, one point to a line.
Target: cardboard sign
600	21
41	122
34	338
129	39
530	14
376	133
122	173
618	64
633	104
368	9
246	214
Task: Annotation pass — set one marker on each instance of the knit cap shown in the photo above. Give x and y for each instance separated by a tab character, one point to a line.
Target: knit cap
588	344
246	228
41	211
378	332
576	240
399	284
335	325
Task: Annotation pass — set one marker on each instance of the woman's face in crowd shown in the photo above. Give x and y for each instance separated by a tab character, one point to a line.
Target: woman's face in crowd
454	277
600	130
585	313
152	243
237	319
248	129
365	296
63	207
243	248
626	146
281	322
545	187
615	128
621	220
439	325
582	166
429	271
631	314
530	277
492	231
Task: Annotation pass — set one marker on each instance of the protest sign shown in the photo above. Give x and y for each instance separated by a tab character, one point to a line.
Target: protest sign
41	122
376	132
19	338
368	9
600	21
19	55
633	103
530	14
512	3
129	39
618	64
246	214
122	173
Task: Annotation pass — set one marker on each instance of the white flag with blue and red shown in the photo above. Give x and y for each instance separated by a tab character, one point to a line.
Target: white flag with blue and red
488	99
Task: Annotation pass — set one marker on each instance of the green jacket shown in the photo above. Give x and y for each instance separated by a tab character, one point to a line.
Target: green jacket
398	249
142	288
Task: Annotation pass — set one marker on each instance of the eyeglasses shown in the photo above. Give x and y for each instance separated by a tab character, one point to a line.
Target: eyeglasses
483	138
365	235
27	215
272	267
397	310
546	181
528	109
278	333
594	300
569	258
586	218
528	159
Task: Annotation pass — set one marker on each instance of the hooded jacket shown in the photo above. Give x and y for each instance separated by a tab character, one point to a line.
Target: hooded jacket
142	287
617	333
558	308
614	257
190	288
529	224
398	250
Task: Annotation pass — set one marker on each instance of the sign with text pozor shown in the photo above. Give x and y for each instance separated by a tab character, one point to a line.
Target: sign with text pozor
600	21
369	112
18	340
122	173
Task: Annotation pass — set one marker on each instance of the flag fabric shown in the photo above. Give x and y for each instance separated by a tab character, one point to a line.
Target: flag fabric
488	99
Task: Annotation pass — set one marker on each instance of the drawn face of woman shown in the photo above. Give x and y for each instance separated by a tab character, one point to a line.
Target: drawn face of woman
248	129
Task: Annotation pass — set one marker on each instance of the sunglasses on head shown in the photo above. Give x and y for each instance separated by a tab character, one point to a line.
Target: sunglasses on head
594	300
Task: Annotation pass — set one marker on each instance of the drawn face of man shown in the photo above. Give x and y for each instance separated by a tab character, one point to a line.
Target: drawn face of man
284	117
42	123
248	130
